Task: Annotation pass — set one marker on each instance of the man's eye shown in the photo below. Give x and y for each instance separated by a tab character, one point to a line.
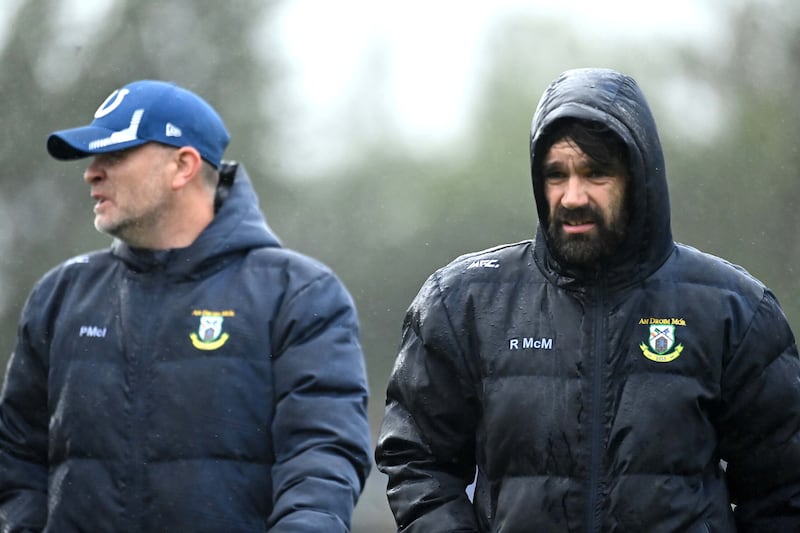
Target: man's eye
598	173
114	157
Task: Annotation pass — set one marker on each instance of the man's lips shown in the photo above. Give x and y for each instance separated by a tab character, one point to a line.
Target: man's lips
573	228
577	221
100	201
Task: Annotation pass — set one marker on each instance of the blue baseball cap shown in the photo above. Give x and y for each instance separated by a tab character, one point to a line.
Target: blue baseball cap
146	111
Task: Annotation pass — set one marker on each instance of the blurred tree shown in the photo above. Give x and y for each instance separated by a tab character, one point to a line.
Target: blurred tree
736	193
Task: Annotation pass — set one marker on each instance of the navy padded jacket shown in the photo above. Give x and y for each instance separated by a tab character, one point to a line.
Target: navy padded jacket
215	388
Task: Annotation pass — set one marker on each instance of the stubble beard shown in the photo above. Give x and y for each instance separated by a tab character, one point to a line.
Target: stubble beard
112	229
128	228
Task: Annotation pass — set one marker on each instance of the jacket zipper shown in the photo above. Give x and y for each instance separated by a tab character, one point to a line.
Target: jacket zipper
142	358
593	511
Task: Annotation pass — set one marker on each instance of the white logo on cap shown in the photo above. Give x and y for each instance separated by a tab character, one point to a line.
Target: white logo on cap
111	103
121	136
173	130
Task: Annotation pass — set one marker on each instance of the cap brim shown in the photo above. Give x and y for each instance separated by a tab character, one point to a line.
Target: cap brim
77	143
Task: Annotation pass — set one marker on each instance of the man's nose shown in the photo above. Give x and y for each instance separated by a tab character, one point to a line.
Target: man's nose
574	193
94	172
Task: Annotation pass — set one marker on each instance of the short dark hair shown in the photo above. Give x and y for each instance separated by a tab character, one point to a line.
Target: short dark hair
209	174
603	146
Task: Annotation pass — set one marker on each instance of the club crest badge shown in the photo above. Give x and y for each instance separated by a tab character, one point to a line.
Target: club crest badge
662	346
210	334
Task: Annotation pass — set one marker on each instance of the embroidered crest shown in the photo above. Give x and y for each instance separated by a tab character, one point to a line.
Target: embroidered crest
661	346
209	334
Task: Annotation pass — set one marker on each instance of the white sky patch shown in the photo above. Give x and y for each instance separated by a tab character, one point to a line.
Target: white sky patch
433	49
412	61
9	12
693	108
354	68
630	20
70	31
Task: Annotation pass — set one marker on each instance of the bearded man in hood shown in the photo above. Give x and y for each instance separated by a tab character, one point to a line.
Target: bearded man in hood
600	377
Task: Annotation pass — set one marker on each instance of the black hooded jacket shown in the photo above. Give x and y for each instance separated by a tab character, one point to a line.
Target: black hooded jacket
218	387
647	394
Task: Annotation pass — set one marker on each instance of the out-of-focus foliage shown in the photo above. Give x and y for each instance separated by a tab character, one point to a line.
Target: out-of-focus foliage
737	194
728	116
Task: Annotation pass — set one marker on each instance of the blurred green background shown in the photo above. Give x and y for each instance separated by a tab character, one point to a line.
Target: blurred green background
387	138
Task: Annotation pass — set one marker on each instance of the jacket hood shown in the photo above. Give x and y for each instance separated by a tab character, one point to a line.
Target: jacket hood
614	99
238	227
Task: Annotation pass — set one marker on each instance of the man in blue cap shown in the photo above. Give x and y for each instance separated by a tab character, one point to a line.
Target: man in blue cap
196	376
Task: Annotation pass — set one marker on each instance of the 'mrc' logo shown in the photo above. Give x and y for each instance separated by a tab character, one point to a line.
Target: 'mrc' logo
484	263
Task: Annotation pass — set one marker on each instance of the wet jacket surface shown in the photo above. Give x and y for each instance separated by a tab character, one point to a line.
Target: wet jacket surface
215	388
599	400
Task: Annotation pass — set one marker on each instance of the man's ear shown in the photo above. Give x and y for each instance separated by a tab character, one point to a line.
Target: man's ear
189	163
